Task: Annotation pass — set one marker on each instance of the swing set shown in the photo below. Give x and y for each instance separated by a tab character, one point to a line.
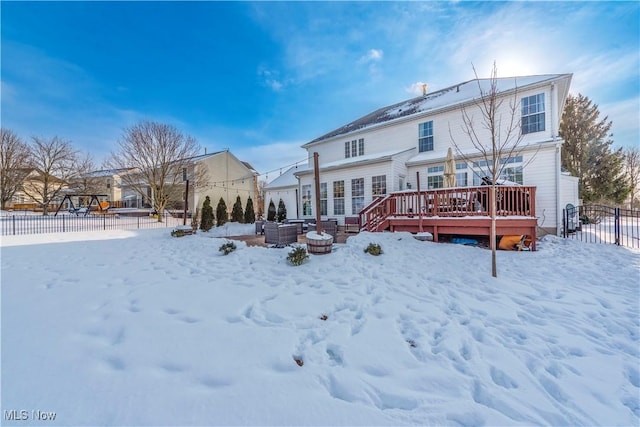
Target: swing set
84	210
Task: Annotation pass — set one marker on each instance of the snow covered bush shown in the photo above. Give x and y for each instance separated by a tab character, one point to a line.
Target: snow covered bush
281	214
182	230
206	222
373	249
249	214
227	248
237	215
221	213
271	211
297	255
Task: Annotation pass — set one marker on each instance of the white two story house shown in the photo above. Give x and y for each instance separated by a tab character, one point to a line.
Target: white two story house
387	150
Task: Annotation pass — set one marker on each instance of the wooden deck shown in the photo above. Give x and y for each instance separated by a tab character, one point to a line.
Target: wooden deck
454	211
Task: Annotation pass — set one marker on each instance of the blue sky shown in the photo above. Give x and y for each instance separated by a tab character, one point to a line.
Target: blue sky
264	78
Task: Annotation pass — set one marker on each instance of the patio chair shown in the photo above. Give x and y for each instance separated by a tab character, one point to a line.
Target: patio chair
329	227
280	234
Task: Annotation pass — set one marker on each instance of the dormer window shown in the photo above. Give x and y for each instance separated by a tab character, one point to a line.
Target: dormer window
533	114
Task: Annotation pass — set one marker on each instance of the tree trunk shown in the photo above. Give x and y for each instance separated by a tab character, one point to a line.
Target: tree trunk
492	235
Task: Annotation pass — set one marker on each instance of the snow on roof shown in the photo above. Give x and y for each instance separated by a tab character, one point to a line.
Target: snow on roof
249	166
287	179
453	95
106	172
354	161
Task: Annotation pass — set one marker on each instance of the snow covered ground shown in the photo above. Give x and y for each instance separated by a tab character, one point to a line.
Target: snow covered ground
139	328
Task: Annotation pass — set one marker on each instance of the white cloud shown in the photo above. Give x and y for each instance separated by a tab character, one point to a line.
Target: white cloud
593	70
374	55
271	79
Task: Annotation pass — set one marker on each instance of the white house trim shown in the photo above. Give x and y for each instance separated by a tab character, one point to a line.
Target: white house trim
397	126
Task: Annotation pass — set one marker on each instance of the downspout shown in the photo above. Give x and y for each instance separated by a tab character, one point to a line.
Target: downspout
558	163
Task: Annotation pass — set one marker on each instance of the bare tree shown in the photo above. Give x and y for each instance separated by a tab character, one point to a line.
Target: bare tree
496	134
159	157
632	170
84	180
14	165
53	161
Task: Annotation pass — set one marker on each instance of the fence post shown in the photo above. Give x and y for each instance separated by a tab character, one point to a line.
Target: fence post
565	220
14	224
63	225
104	221
138	222
616	224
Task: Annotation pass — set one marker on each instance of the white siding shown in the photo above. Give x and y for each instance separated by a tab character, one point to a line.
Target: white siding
540	163
447	129
541	171
569	191
346	175
288	196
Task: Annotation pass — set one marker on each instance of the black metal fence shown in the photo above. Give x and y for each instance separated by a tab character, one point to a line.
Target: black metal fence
37	224
602	224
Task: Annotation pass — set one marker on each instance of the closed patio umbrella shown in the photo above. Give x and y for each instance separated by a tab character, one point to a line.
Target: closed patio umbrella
450	170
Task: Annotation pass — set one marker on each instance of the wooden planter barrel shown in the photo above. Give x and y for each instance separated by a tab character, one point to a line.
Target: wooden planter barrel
319	244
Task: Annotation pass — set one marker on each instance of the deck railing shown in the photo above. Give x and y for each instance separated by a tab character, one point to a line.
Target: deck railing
449	202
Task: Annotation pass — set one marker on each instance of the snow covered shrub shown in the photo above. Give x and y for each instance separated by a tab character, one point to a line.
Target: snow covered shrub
206	222
221	213
182	230
373	249
249	214
281	214
227	248
195	219
237	215
271	211
297	255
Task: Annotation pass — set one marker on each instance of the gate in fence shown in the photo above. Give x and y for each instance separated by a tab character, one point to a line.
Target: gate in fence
602	224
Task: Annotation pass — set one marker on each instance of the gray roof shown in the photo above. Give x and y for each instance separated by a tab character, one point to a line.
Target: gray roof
453	95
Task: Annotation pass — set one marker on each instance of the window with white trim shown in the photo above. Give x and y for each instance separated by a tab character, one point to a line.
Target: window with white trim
354	148
338	197
461	174
425	136
357	195
323	198
379	185
511	169
533	113
306	200
435	177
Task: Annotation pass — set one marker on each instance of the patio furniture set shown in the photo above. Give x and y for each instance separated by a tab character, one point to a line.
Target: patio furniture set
283	234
